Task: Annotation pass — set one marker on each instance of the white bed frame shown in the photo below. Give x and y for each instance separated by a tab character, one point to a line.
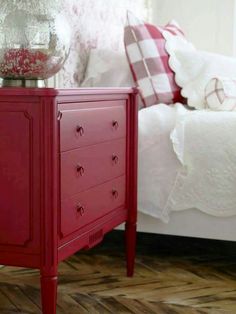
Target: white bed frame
191	223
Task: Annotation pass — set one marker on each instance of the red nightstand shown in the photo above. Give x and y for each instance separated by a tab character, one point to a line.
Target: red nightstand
68	175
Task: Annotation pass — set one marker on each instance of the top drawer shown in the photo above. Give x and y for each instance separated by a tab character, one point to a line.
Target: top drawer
88	126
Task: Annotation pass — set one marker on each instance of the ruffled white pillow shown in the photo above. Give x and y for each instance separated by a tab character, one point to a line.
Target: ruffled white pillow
194	69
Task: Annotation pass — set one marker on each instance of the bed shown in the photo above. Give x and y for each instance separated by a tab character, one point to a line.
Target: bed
157	125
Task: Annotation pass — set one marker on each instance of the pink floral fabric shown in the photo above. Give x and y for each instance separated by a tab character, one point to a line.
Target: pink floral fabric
95	24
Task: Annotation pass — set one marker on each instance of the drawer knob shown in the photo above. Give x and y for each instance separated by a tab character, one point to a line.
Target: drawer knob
80	170
115	193
115	158
80	130
115	124
80	209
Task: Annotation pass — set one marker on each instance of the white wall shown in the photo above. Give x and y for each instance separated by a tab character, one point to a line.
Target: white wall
209	24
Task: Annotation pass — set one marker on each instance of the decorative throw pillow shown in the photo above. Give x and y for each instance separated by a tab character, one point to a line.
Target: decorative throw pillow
220	94
148	59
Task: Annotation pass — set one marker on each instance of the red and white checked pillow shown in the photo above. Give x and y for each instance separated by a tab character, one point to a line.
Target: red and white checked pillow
220	94
148	59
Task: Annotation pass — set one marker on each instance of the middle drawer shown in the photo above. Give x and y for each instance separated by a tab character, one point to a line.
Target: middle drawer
86	167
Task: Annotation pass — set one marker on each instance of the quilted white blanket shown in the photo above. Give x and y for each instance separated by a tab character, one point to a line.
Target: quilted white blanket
187	159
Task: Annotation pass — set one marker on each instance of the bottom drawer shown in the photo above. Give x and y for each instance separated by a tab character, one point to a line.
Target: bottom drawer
87	206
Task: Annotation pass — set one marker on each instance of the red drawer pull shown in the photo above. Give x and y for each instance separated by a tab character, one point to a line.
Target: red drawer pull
115	193
80	130
80	209
115	158
115	124
80	170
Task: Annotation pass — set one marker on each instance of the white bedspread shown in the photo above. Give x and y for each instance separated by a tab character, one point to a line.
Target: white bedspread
187	159
158	164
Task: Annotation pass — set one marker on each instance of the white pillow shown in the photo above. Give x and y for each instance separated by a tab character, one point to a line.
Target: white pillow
107	68
195	68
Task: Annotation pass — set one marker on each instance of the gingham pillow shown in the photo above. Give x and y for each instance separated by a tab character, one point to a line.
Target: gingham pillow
148	59
220	94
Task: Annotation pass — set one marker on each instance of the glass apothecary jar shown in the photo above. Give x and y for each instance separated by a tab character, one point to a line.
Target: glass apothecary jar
35	41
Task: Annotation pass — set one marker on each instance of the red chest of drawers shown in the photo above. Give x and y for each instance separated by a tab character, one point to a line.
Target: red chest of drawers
68	175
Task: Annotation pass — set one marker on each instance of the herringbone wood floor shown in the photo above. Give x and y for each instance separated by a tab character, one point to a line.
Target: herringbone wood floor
173	275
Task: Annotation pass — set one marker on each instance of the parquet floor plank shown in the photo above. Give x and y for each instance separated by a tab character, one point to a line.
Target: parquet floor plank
68	305
116	305
5	303
91	304
20	300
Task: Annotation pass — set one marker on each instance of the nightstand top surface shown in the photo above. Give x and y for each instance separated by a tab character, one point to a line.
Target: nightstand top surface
12	91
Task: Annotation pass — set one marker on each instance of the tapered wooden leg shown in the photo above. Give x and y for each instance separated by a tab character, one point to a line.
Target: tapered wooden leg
49	294
130	239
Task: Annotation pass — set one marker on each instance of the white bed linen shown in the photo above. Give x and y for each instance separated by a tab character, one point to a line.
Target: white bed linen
205	143
158	164
187	159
